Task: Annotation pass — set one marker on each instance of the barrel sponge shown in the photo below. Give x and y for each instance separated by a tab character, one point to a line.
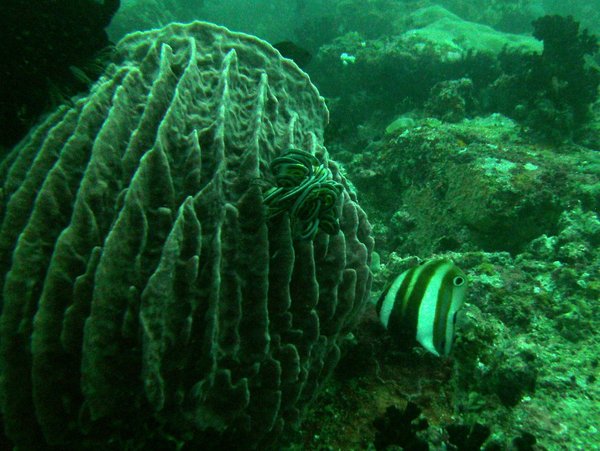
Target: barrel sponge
148	300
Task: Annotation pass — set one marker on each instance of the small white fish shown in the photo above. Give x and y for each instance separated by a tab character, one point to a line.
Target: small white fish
421	304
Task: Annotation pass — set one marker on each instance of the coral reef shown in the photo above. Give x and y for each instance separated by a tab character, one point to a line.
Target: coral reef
468	186
147	299
399	54
515	381
524	363
185	266
449	100
395	74
549	87
552	92
513	202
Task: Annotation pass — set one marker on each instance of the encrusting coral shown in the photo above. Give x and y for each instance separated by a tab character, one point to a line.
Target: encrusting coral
147	299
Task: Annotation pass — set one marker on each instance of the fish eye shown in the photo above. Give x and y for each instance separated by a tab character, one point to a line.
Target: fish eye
458	281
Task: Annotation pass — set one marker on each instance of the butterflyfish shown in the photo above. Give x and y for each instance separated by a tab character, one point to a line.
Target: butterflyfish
421	304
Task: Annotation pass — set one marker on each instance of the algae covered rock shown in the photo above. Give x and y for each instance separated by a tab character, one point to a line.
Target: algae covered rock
147	299
469	186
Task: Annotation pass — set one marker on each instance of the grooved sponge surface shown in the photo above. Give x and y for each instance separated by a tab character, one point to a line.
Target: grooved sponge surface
147	300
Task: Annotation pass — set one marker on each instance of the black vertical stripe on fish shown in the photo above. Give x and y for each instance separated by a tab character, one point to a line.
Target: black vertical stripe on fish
420	302
417	295
382	297
397	326
405	313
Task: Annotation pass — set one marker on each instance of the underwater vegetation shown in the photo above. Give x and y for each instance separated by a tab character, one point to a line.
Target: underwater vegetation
452	69
50	51
552	92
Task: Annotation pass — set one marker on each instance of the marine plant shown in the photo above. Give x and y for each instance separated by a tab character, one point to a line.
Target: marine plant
400	427
306	190
551	92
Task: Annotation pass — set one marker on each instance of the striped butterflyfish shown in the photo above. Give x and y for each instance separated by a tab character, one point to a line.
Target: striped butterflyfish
421	304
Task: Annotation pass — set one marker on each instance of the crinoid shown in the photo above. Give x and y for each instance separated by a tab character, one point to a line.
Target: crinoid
306	190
